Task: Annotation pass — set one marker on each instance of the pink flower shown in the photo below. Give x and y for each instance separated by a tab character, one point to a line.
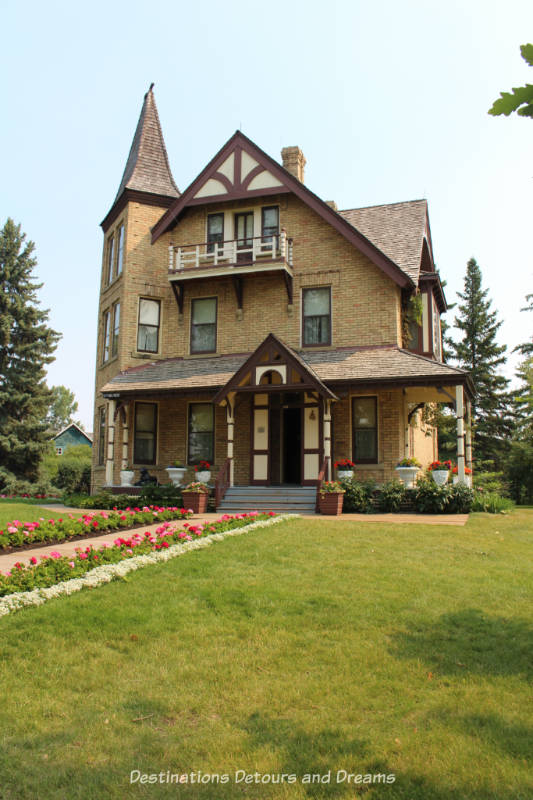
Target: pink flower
71	564
83	556
33	560
55	554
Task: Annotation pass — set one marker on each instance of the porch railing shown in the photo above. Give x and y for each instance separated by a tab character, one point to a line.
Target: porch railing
232	251
321	475
222	482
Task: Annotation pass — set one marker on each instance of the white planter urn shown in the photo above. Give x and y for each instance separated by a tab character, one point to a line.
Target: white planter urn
176	474
407	475
345	474
126	477
440	476
203	476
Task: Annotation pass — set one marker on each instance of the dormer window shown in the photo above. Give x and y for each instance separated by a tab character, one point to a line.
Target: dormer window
215	231
269	223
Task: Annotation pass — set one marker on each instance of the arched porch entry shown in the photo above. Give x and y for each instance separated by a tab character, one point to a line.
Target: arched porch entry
290	426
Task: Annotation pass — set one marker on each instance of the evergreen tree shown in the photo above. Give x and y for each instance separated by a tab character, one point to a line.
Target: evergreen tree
478	352
26	347
523	396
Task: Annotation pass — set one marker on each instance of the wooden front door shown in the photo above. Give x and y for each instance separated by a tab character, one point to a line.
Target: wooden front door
260	440
244	233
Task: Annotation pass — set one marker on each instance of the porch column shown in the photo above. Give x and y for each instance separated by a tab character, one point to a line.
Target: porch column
111	407
230	416
327	436
459	405
125	435
468	435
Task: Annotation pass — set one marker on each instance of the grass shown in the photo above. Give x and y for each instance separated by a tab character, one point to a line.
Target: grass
306	647
25	511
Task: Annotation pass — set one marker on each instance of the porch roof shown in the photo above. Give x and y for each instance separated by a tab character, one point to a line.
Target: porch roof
380	365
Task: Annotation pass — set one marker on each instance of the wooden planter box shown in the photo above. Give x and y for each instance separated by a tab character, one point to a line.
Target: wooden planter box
330	503
197	501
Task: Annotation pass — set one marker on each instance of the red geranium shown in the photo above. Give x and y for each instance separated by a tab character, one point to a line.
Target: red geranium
344	463
440	465
202	466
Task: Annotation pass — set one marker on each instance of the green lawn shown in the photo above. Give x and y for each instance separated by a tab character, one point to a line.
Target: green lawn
25	511
305	647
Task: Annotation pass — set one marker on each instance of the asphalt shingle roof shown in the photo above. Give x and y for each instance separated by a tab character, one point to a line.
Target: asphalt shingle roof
396	229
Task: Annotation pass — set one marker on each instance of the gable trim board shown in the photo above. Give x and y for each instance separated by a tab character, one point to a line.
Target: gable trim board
240	143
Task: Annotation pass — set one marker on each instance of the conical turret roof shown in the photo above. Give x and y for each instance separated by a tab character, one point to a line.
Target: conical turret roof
147	168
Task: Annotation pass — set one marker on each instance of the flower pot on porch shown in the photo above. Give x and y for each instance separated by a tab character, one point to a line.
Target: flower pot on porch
126	477
196	501
467	480
176	474
407	476
440	476
331	503
203	476
345	474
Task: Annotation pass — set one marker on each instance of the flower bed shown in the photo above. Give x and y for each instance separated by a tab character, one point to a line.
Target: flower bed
58	575
19	534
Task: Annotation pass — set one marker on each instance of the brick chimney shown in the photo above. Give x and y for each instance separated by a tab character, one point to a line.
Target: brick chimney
294	162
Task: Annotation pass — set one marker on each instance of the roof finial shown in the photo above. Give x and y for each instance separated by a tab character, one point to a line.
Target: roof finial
149	90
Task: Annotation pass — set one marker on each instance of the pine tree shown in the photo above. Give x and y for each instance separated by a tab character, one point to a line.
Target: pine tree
26	347
478	352
523	396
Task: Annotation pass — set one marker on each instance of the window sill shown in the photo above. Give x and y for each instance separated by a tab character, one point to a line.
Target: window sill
108	362
113	283
148	356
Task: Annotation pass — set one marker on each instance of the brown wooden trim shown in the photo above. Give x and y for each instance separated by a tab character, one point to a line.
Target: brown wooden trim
235	194
289	183
251	175
238	285
218	176
178	288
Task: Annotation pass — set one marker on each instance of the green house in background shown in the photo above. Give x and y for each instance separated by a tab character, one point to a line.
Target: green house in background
69	436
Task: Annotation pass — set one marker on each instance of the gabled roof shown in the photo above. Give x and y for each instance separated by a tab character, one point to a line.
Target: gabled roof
241	169
398	229
73	425
147	168
272	347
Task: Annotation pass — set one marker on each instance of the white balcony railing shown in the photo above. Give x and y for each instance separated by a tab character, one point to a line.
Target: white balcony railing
231	252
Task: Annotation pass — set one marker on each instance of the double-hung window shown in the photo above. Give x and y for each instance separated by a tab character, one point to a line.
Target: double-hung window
120	249
316	322
365	430
145	440
215	231
101	435
116	328
106	335
201	429
110	258
269	223
204	325
148	328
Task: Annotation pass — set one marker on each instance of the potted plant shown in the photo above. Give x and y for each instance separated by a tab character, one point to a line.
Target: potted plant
331	496
439	471
468	476
344	469
176	472
126	476
407	470
203	471
195	496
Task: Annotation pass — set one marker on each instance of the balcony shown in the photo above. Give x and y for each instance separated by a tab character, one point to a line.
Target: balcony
231	257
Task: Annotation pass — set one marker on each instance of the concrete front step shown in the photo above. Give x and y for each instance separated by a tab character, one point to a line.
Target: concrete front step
289	499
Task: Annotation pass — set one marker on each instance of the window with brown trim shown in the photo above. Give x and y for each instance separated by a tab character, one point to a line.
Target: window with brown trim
120	249
106	336
145	436
148	328
201	429
116	328
215	231
204	325
101	435
316	316
110	258
365	430
269	223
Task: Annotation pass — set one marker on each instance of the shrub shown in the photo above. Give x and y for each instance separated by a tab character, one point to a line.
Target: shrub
357	495
73	474
491	482
103	500
429	498
491	503
391	496
161	495
520	472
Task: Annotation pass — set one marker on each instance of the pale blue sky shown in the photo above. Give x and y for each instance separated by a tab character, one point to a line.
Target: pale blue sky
387	100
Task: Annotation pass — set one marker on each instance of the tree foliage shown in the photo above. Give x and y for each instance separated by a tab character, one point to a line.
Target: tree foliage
520	99
26	347
478	352
62	408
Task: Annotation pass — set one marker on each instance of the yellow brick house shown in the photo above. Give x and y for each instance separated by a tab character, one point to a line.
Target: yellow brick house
246	322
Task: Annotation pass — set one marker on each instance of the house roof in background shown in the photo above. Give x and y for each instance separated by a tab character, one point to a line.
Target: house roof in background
88	436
